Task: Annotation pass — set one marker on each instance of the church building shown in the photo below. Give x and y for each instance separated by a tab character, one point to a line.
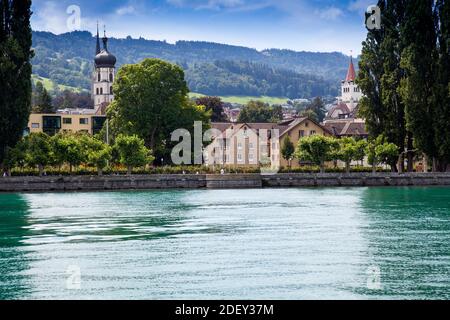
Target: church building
103	76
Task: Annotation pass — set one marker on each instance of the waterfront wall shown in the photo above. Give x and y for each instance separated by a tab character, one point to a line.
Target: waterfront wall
148	182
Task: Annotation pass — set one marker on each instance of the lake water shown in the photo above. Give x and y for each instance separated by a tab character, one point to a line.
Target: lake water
349	243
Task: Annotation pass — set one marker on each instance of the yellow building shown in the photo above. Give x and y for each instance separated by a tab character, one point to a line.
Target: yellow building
51	124
256	144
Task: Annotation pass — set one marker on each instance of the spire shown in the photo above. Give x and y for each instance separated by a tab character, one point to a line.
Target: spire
351	74
105	40
97	50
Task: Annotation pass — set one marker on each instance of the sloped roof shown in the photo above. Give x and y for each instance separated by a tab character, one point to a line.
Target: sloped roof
351	73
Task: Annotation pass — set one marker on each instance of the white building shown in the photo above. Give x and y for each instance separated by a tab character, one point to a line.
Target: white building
103	76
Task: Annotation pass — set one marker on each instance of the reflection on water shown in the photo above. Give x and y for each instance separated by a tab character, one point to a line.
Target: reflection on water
213	244
408	232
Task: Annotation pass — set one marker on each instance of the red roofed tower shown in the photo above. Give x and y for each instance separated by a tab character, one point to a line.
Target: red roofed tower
351	94
351	74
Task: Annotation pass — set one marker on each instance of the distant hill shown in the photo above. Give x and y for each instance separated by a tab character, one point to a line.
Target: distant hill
211	68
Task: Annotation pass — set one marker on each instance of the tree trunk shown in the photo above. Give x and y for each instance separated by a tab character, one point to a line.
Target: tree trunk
425	163
347	167
130	170
41	170
401	163
435	165
322	167
70	169
410	154
374	169
100	172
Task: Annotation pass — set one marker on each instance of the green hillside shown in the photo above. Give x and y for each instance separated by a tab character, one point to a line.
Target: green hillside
245	99
211	68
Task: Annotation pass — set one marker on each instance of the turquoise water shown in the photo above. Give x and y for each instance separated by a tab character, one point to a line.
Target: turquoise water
356	243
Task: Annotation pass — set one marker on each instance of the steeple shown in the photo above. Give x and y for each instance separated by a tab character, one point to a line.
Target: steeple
105	40
97	50
351	74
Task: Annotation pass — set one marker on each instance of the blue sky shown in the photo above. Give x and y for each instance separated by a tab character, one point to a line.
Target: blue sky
302	25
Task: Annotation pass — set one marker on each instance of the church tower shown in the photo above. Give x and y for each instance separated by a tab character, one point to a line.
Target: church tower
350	91
103	76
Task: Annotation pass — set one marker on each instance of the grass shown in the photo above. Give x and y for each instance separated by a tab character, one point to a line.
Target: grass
244	99
49	85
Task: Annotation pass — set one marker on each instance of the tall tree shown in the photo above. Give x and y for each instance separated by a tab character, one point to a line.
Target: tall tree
151	101
442	85
41	99
15	71
418	36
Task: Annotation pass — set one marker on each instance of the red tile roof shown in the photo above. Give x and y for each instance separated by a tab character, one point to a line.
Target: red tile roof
351	74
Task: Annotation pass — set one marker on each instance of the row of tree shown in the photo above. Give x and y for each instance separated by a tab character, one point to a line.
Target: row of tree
39	150
320	149
15	71
405	77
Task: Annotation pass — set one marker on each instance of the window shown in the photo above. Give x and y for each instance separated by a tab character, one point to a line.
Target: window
101	90
306	124
98	91
239	156
313	133
250	157
250	146
35	125
111	78
301	134
99	77
67	120
111	90
84	121
240	146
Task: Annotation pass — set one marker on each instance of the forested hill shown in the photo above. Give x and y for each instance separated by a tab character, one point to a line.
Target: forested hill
211	68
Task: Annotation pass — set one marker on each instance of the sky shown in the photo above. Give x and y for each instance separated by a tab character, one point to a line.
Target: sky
300	25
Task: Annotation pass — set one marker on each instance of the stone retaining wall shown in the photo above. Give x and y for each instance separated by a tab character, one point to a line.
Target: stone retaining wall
235	181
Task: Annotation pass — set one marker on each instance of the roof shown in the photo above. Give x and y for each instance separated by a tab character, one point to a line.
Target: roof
351	74
348	127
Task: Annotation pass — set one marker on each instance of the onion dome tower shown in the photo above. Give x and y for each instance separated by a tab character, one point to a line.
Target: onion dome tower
103	76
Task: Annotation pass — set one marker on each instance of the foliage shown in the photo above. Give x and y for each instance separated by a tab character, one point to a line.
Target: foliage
288	150
41	99
316	110
215	105
260	112
15	71
132	152
211	68
70	99
38	150
68	148
151	102
317	149
380	151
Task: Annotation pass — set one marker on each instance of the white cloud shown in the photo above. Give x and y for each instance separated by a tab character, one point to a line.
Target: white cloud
126	10
331	13
360	5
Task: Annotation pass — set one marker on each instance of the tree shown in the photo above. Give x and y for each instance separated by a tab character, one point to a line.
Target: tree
288	150
317	107
132	152
216	106
68	149
151	102
260	112
15	156
380	76
15	71
42	101
441	97
380	151
348	151
317	149
38	151
418	59
98	153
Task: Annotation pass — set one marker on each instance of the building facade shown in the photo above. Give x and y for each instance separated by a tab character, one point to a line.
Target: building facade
257	144
89	121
